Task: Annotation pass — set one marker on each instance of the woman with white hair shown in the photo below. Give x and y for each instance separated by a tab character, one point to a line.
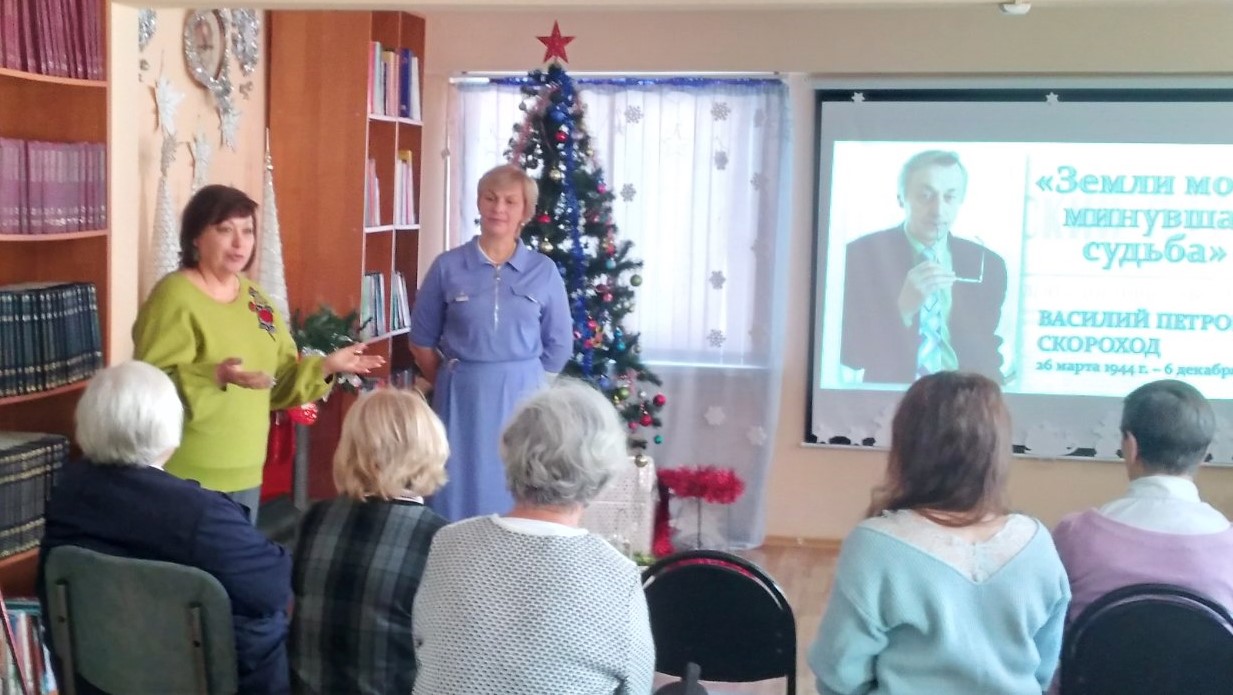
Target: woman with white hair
530	603
119	501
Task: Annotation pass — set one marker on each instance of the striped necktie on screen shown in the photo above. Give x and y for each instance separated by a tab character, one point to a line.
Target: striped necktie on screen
929	349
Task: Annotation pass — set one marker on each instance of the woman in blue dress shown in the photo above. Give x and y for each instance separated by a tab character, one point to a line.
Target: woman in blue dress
491	319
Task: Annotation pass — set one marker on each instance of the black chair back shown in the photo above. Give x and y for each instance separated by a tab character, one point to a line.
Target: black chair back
1149	639
724	614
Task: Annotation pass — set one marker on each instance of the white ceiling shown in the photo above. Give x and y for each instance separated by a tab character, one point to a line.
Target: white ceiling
649	5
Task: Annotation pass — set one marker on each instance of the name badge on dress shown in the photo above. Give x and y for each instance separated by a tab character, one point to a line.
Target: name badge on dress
461	297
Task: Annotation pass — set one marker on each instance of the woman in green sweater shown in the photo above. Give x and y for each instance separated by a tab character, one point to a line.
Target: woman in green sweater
230	355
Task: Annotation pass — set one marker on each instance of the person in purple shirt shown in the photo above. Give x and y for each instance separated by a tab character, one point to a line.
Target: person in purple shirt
491	319
1159	531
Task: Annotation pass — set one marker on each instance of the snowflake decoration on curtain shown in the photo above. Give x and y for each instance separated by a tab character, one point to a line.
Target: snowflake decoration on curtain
716	338
759	117
628	192
715	416
720	111
633	114
758	180
721	160
759	246
717	279
756	435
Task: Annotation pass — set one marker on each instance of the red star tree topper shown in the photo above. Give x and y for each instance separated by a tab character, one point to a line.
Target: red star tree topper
555	44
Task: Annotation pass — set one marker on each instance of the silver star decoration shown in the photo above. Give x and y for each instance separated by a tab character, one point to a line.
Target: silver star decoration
716	338
228	123
147	24
721	160
717	279
167	155
167	100
858	97
715	416
720	111
1052	98
628	192
756	435
758	180
202	151
633	114
759	117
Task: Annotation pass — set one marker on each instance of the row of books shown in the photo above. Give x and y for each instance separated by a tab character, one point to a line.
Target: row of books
25	663
393	82
372	306
62	38
400	307
372	195
49	336
404	189
29	462
52	187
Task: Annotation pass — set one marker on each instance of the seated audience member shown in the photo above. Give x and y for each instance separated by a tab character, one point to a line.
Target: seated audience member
119	501
1159	531
941	590
530	603
360	556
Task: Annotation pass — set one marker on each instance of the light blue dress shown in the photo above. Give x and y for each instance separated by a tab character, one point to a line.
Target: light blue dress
499	328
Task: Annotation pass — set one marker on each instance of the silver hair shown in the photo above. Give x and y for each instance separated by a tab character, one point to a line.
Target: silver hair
562	445
129	415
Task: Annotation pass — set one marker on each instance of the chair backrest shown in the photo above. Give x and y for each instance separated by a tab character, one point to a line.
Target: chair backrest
724	614
1149	639
139	626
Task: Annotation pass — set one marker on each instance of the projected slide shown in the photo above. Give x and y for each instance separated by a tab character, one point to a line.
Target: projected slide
1072	263
1064	269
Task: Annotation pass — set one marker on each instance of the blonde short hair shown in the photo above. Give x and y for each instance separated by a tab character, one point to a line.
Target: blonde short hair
392	444
511	174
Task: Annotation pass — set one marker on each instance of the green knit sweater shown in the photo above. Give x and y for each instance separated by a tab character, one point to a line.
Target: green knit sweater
186	334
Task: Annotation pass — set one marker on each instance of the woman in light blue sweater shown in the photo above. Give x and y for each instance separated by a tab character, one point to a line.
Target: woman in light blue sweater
941	590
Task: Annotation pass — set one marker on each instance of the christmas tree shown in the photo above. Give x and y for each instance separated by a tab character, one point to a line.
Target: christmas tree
573	226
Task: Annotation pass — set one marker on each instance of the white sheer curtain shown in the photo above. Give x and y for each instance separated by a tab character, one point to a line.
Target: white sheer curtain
698	167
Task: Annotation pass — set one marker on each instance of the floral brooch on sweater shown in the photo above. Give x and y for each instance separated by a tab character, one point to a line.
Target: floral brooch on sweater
265	313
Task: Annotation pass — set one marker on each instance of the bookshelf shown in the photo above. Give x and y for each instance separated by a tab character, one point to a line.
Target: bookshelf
328	142
49	93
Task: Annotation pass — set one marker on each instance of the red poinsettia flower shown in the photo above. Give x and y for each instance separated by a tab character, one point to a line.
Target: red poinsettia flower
711	484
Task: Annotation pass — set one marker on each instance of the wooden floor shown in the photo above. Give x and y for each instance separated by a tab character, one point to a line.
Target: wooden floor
804	573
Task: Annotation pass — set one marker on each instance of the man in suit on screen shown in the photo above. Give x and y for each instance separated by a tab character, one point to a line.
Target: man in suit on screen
917	299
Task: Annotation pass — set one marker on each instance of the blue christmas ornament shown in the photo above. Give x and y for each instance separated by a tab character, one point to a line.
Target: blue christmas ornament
620	346
610	264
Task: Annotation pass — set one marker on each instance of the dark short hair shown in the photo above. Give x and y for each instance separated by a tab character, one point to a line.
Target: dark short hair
950	449
213	204
1172	423
930	158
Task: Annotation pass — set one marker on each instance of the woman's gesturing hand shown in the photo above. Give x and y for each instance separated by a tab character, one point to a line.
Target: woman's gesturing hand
228	372
352	360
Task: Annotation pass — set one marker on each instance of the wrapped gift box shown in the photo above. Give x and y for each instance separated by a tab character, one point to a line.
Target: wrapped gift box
624	513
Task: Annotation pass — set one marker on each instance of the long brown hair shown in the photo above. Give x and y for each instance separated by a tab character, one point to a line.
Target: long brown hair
950	450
